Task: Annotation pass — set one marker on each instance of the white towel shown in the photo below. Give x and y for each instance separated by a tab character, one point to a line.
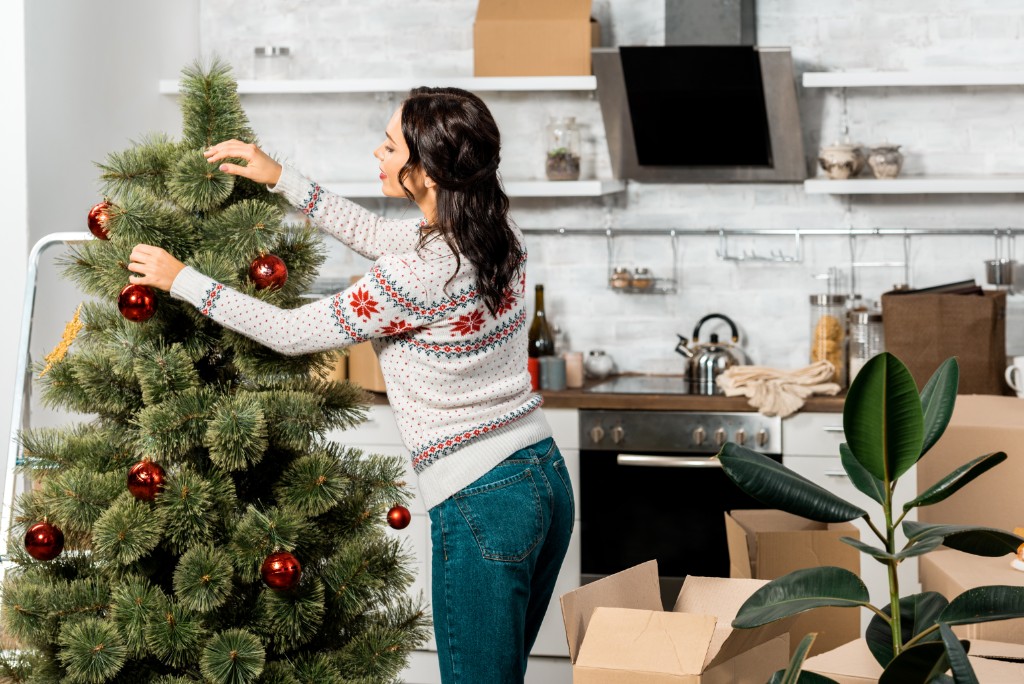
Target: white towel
776	392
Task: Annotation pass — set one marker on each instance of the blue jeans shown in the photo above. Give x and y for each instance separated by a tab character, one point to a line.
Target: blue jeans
497	547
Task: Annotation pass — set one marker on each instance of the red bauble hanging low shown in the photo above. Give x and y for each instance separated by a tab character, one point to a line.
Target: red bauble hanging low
98	217
44	541
145	480
268	270
399	517
281	571
137	302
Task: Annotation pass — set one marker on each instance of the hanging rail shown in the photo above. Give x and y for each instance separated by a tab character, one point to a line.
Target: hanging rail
821	232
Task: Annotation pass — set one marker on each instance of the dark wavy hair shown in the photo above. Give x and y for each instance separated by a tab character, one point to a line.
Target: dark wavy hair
453	137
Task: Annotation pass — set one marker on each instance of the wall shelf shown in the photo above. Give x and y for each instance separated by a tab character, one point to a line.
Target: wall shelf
537	188
914	185
392	85
924	78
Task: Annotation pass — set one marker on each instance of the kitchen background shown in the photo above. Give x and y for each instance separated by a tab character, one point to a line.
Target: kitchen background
93	86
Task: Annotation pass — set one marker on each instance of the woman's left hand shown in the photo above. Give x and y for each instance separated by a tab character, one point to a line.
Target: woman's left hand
159	268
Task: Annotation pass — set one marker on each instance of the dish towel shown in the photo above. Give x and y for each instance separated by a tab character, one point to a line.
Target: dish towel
775	392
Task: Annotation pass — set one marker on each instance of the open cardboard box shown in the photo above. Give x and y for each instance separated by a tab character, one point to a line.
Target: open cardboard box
619	633
533	38
951	573
853	663
767	544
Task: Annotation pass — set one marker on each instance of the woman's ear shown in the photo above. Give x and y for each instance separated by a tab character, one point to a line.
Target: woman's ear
428	182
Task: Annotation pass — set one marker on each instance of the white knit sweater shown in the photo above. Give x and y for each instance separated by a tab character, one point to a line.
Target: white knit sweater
456	375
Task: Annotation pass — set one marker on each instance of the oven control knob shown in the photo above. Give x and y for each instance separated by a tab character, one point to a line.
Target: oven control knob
698	436
762	437
618	434
740	436
720	436
596	434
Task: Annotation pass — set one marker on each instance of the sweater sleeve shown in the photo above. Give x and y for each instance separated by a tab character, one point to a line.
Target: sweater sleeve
362	230
361	312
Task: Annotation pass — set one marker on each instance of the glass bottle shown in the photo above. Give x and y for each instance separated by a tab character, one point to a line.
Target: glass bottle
867	339
541	339
271	61
828	333
563	154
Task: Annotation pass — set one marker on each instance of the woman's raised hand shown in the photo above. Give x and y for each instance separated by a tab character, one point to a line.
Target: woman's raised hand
153	266
259	166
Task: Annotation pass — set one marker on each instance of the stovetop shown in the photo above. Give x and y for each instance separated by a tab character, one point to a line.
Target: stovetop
642	384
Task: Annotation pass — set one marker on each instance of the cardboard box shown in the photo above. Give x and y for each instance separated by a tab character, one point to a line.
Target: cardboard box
767	544
853	663
980	425
619	633
339	371
951	573
533	38
924	330
364	369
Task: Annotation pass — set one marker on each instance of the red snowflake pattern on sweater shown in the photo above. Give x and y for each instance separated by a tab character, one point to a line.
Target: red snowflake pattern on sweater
364	305
395	327
468	324
508	302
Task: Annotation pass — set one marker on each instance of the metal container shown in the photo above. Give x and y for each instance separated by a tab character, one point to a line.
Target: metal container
867	339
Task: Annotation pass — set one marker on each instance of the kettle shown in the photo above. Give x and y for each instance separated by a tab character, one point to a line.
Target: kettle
710	359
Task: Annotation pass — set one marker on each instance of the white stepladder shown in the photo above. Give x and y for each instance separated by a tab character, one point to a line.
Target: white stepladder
23	387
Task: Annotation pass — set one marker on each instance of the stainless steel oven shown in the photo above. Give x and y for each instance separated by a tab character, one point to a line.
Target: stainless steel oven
650	488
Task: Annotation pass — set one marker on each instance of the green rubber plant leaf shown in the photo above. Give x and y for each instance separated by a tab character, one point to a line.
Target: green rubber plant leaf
799	591
792	673
917	613
777	486
865	482
916	548
979	541
953	482
883	419
985	604
963	673
920	664
937	399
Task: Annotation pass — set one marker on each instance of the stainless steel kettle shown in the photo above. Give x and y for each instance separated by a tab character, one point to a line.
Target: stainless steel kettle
710	359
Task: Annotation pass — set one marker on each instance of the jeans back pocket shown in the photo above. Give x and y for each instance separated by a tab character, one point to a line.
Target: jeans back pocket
505	516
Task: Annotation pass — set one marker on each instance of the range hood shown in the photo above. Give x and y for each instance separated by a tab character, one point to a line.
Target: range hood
698	112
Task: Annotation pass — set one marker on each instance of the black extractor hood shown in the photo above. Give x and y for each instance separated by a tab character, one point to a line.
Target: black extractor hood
716	109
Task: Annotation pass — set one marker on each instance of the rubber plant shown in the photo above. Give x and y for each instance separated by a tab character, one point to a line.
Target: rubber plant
889	427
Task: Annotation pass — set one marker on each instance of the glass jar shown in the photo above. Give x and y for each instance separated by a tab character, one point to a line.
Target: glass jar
598	364
828	333
867	339
642	278
563	150
621	278
271	61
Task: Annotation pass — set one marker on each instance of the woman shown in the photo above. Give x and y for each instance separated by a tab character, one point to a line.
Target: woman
444	305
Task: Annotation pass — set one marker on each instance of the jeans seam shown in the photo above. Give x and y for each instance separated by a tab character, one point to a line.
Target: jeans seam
447	597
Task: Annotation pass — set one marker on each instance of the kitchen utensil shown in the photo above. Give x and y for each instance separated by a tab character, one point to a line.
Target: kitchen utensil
710	359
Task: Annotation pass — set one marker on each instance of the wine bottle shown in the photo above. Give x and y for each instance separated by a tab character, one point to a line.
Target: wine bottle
542	341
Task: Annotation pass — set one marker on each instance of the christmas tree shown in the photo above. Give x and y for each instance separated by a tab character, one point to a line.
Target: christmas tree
201	527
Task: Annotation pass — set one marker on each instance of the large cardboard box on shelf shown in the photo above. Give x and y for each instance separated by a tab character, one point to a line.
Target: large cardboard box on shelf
767	544
364	369
951	573
852	663
533	38
980	424
619	633
925	329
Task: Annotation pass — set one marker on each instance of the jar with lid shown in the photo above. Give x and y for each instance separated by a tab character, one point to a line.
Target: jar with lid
598	364
621	278
642	278
828	333
563	149
271	61
867	339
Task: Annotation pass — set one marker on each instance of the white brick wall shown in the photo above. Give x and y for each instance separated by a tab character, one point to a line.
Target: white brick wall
943	131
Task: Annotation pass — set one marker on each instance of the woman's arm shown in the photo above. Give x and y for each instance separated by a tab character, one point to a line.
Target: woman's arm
362	230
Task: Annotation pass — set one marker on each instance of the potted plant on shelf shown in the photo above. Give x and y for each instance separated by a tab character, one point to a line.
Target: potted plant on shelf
888	427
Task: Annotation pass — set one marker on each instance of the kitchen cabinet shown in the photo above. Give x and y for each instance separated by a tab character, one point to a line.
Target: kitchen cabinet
810	447
549	662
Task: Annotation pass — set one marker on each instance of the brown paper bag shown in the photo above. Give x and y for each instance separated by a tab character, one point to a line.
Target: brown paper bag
925	329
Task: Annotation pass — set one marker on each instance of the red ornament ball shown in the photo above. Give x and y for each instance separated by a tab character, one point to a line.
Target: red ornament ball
137	302
268	270
145	480
98	217
281	571
399	517
44	541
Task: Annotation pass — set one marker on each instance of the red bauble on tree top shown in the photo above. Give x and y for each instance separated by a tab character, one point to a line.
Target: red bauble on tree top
399	517
137	302
98	217
281	571
145	480
44	541
268	270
